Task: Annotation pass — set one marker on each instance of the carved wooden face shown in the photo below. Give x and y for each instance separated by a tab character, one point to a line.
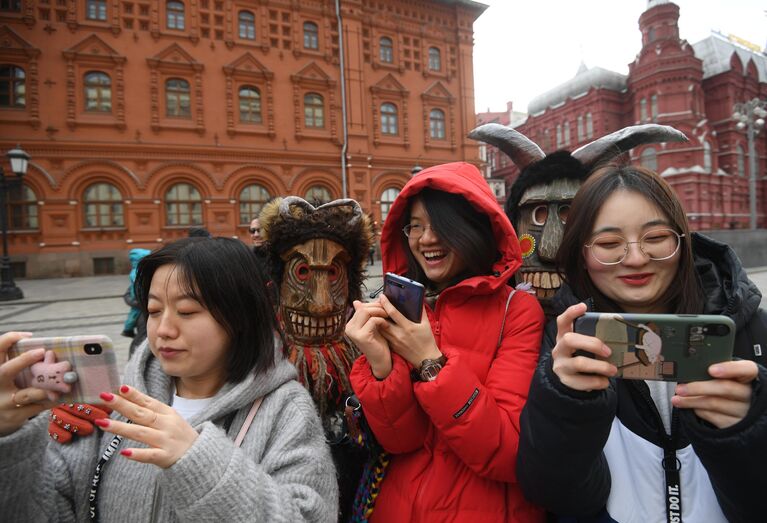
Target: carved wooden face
315	291
543	213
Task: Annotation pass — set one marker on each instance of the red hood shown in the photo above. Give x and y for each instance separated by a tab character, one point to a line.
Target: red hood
458	178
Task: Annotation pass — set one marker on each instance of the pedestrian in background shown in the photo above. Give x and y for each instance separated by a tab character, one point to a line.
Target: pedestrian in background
255	233
134	319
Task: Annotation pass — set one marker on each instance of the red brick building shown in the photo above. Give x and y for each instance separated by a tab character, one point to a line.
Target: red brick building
671	82
146	117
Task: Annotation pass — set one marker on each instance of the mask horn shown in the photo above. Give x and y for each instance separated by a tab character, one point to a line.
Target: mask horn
516	145
604	149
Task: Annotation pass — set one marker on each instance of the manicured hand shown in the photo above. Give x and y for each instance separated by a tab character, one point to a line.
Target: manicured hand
723	401
413	341
580	372
74	419
155	424
364	329
18	405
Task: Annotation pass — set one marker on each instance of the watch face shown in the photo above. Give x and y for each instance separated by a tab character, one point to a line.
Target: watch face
429	372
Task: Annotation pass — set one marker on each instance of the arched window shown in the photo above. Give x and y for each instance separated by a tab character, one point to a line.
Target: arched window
643	110
22	208
386	50
96	10
741	161
580	128
654	107
567	133
389	119
247	25
252	199
183	205
250	104
435	59
175	15
98	92
311	36
589	126
559	136
318	194
103	206
177	98
12	86
437	124
387	199
649	159
707	163
314	111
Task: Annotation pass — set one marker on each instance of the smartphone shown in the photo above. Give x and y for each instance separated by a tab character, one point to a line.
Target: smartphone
666	347
405	294
92	359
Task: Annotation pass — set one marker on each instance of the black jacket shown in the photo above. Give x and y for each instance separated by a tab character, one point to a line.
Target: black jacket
561	464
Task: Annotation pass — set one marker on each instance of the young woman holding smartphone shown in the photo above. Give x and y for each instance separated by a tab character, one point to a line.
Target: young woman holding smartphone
209	364
443	395
600	449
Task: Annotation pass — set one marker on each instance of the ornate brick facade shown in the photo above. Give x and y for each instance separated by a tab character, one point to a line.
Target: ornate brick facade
145	117
690	87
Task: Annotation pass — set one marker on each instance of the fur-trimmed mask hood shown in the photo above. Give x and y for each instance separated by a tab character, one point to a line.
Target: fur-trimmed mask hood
290	221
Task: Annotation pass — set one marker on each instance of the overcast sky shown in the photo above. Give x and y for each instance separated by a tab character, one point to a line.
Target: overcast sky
523	48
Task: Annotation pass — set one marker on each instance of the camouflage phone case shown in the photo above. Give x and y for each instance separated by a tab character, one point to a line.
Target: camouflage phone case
92	358
665	347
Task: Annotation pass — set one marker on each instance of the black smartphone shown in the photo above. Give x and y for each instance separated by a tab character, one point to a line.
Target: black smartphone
405	294
667	347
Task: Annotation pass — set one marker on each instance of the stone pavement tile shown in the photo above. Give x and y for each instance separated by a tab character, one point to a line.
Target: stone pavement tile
53	289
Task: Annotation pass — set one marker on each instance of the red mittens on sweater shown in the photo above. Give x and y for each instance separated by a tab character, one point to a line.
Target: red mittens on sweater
69	419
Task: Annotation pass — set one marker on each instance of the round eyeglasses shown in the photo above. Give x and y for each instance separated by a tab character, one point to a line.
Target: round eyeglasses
658	245
415	230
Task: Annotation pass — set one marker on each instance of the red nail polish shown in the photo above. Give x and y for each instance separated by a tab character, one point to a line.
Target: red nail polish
126	452
102	422
124	389
107	396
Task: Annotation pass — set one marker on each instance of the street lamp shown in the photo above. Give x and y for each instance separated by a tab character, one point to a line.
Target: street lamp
19	161
750	116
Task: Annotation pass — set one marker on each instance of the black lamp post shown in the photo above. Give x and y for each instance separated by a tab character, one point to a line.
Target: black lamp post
750	117
19	161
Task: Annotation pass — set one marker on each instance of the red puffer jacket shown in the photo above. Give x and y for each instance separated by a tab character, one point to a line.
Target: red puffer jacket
454	440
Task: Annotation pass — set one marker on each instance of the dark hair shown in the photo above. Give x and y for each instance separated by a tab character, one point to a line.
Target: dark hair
464	230
199	232
222	274
685	296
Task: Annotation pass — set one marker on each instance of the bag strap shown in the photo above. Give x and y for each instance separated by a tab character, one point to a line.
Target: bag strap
503	323
248	421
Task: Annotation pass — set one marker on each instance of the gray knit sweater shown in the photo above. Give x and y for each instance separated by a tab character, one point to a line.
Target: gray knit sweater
282	472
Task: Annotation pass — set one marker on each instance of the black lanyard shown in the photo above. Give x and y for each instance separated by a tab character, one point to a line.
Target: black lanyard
93	506
671	467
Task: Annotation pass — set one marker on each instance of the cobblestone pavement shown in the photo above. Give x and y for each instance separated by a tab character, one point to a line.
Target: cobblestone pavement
94	305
